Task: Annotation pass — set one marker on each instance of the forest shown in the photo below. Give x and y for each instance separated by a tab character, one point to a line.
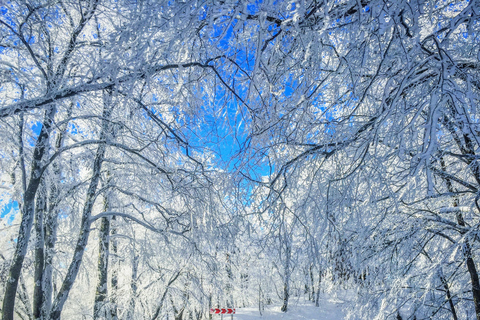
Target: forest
159	158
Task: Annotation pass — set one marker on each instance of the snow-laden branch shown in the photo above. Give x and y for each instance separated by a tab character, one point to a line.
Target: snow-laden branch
454	209
113	144
127	216
93	87
443	174
130	217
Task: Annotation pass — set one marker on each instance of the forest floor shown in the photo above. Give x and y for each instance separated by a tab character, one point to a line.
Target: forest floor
330	309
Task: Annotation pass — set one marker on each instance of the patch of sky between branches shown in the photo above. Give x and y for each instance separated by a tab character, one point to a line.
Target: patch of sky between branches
36	127
9	211
7	15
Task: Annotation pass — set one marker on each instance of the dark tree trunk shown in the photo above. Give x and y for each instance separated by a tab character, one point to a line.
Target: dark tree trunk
38	291
472	270
286	283
162	300
178	315
27	211
312	282
449	297
50	233
99	310
317	299
210	306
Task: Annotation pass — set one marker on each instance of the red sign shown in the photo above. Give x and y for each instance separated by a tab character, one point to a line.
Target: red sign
222	311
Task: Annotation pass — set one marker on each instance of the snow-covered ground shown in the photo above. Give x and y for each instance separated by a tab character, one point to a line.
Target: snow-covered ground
329	309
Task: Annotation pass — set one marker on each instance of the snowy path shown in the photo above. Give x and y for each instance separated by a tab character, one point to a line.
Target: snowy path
330	309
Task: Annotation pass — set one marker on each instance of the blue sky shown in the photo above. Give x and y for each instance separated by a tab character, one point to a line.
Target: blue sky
7	209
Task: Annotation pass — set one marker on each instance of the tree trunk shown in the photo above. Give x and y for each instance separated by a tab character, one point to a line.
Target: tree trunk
317	299
162	300
82	241
38	291
50	225
50	233
286	283
229	288
99	310
285	298
449	296
312	281
210	305
472	270
467	251
133	284
260	300
23	296
27	210
114	280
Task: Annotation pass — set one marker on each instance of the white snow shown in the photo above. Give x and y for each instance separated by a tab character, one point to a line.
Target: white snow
329	309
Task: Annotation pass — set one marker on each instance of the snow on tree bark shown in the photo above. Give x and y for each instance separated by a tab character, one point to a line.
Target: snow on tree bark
28	212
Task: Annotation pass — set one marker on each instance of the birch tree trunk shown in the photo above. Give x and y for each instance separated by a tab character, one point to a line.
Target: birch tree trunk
286	280
133	284
114	280
229	287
